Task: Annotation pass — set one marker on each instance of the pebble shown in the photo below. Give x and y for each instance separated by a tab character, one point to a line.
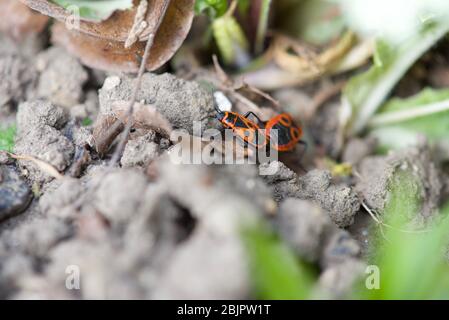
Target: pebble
15	194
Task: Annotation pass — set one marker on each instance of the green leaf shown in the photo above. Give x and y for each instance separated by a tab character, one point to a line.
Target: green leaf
95	10
86	122
230	39
411	263
7	137
275	271
263	25
213	8
399	121
365	93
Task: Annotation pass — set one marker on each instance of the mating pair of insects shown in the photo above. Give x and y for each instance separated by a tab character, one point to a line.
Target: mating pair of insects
280	132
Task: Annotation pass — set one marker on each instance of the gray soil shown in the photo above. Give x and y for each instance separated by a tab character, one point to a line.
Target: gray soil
150	228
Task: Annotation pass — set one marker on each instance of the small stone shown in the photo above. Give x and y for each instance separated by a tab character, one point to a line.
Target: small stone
339	248
15	194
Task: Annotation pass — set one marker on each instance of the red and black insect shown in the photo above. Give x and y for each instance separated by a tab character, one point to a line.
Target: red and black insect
280	132
244	128
283	133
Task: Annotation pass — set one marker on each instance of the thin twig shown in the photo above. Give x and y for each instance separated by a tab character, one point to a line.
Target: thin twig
44	166
129	114
261	93
227	85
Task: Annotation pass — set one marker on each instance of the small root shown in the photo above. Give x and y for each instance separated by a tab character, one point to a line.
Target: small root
381	224
44	166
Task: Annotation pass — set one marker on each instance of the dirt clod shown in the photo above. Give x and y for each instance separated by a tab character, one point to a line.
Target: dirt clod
341	202
61	77
39	113
284	182
18	80
377	173
140	151
38	136
181	102
46	144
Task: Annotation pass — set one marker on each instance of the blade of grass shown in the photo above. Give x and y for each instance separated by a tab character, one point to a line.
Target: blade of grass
7	137
276	272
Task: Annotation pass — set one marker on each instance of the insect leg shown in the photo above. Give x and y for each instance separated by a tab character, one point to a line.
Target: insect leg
254	115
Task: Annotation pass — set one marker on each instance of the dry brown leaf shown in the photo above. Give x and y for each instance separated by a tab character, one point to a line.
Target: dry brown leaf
101	45
106	129
117	26
295	62
101	54
18	21
285	69
108	126
81	160
145	117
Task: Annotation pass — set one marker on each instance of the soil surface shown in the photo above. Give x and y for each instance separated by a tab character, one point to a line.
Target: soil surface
151	228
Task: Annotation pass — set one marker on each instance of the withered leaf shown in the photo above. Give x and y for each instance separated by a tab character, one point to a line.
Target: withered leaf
118	25
101	53
18	21
106	129
108	126
101	45
145	117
